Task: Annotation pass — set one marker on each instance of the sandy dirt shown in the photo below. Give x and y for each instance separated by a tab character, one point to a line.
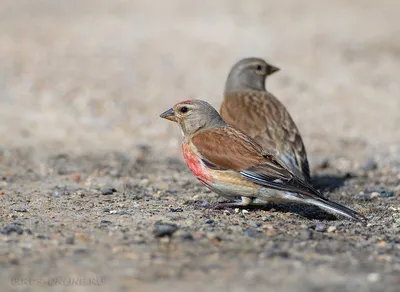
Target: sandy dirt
90	176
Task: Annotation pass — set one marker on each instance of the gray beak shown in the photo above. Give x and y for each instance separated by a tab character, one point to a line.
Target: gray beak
272	69
169	115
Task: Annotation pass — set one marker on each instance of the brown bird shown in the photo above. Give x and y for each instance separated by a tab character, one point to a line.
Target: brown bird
250	108
233	165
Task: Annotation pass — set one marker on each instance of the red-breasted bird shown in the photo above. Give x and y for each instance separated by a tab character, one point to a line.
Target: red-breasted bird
233	165
250	108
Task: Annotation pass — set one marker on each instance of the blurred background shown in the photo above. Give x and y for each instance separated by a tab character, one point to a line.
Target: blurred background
95	75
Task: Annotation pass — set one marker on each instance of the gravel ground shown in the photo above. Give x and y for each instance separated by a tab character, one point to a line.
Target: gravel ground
94	194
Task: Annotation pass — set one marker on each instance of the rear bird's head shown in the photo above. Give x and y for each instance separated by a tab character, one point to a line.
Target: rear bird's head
193	116
249	74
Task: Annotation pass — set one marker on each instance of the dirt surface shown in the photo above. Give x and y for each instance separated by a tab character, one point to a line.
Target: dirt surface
92	182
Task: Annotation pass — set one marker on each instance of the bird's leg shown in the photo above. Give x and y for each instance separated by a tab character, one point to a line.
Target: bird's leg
244	202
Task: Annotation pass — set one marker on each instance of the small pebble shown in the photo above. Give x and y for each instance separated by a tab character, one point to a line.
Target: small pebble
187	236
82	237
379	192
60	191
369	165
119	212
175	209
386	194
106	191
253	223
75	177
244	211
209	221
12	259
331	229
280	254
70	240
251	233
320	227
165	239
214	238
362	196
373	277
13	227
105	222
374	195
204	204
227	212
22	210
164	229
306	234
144	182
237	210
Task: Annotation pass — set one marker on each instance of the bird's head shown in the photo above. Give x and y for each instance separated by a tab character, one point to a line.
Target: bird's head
193	116
249	74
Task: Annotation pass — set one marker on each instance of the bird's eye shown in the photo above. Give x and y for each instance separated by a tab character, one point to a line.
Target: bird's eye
258	67
184	109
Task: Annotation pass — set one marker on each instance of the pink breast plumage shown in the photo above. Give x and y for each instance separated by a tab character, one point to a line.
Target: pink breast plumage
195	165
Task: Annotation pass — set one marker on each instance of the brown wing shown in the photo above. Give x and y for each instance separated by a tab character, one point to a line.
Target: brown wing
228	148
265	119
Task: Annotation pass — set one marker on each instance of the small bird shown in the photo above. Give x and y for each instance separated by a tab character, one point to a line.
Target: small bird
250	108
235	166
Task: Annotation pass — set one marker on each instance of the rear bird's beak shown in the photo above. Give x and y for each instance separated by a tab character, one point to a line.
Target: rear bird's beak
272	69
169	115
